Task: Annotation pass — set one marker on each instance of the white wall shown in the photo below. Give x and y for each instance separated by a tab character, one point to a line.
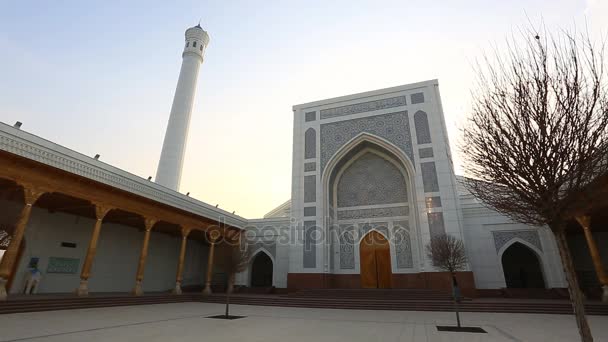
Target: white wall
117	255
485	260
270	231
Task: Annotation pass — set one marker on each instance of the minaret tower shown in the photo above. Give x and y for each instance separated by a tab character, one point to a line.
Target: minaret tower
169	171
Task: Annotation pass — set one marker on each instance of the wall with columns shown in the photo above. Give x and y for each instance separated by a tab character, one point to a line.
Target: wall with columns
582	258
488	234
115	264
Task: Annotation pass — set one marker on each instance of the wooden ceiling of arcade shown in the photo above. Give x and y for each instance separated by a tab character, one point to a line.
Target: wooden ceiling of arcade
73	194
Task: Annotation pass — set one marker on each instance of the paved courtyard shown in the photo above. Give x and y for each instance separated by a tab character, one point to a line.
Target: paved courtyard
187	322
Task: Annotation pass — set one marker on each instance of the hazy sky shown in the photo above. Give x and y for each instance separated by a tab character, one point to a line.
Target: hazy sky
99	77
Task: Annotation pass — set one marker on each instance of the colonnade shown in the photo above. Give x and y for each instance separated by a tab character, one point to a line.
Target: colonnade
32	193
585	222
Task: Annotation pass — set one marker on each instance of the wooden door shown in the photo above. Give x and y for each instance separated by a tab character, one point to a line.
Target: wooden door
375	261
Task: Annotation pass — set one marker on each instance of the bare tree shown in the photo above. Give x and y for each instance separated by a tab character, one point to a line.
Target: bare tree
234	259
448	254
538	134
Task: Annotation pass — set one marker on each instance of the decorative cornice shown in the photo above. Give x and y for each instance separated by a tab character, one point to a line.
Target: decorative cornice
32	147
369	106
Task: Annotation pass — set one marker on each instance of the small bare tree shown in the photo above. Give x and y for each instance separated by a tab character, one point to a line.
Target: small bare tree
538	134
234	259
448	254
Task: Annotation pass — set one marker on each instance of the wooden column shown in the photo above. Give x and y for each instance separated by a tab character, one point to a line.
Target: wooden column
207	289
180	263
137	290
585	222
30	195
100	213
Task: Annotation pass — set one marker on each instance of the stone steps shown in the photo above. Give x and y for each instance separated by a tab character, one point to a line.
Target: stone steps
66	303
361	303
381	294
411	305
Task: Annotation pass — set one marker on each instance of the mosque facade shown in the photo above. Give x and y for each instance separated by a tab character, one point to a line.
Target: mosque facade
372	183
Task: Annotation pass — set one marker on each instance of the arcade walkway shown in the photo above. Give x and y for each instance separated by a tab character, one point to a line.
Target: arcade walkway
188	322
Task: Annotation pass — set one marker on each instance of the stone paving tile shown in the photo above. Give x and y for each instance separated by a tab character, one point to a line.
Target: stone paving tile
188	322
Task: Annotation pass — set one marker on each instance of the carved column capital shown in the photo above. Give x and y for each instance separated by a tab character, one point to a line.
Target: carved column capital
31	193
214	234
101	210
149	223
584	221
185	231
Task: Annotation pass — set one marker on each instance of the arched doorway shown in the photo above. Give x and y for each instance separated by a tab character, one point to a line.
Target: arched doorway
261	271
521	267
375	254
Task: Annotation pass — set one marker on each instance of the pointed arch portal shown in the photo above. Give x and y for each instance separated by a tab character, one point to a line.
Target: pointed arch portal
522	267
261	271
375	253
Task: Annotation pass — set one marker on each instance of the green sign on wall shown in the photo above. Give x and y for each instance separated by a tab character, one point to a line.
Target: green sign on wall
62	265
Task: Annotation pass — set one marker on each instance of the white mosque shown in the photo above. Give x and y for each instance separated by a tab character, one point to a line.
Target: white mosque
375	165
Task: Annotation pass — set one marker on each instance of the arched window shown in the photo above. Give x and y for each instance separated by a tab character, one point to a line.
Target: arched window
194	44
187	44
310	143
423	133
201	48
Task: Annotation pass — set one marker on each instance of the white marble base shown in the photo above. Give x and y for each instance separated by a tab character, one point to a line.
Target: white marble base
3	293
83	288
207	290
177	290
138	290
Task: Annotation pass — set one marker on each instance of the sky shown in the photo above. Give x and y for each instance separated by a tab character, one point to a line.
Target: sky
99	76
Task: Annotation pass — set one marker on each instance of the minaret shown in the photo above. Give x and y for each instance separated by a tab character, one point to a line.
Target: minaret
169	171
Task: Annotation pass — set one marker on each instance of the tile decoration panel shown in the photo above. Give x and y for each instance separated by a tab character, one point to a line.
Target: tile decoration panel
501	238
310	116
270	246
429	177
310	143
347	238
365	228
403	244
363	107
423	132
426	152
310	189
310	211
373	213
312	166
417	98
371	180
310	246
436	224
394	127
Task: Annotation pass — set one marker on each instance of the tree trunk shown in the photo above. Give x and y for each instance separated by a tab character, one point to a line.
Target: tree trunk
574	290
229	290
456	293
227	303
